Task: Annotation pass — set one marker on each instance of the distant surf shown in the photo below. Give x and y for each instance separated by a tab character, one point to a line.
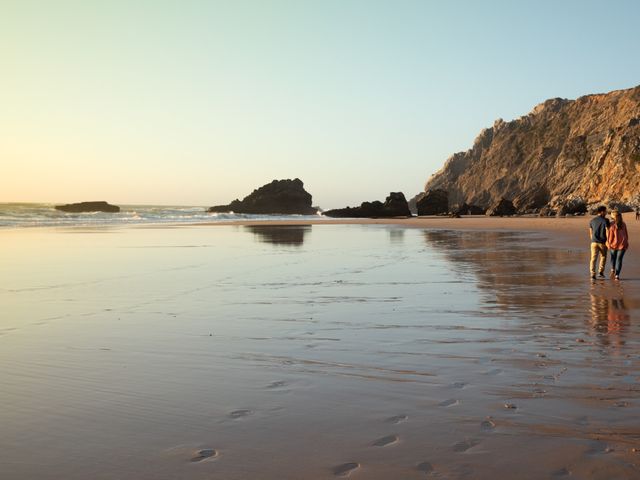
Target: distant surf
18	215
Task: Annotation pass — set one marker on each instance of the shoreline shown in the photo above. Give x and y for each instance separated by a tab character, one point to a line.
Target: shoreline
568	228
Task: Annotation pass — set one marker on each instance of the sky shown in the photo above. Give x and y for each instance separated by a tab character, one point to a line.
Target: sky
199	102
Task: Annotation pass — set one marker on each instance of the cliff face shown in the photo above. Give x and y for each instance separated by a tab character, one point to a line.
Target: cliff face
587	148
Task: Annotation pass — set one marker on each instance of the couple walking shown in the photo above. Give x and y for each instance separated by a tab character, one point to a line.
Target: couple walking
608	235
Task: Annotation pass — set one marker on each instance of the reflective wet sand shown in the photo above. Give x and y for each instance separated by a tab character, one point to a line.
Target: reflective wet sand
324	351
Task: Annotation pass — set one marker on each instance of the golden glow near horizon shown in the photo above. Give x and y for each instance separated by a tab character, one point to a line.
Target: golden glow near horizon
200	102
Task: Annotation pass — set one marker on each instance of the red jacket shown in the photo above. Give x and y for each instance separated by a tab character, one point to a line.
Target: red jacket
618	238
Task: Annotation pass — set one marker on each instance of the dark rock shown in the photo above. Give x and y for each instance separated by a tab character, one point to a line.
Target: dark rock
547	211
395	205
575	206
466	209
88	207
621	207
503	208
476	210
532	199
278	197
413	203
434	202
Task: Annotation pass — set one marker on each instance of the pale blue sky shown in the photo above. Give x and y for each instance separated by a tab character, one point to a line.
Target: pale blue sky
199	102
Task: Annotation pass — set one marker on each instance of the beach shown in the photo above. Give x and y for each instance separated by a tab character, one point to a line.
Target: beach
315	349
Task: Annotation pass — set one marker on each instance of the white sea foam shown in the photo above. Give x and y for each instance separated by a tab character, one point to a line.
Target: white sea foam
17	215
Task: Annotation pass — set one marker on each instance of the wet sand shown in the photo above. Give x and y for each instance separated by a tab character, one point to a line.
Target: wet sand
418	348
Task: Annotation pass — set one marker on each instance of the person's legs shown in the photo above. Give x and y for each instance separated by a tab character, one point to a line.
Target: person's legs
594	258
614	256
618	264
603	257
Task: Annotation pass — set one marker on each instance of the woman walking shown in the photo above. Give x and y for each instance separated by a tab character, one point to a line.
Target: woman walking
617	242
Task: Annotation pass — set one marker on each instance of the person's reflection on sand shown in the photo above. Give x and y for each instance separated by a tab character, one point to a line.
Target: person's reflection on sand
280	234
609	318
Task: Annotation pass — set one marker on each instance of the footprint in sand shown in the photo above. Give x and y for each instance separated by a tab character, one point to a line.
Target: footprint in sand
240	413
465	445
397	419
345	469
278	384
385	441
487	425
448	402
425	467
204	454
563	472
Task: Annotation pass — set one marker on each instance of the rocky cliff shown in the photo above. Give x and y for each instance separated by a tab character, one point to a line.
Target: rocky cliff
564	150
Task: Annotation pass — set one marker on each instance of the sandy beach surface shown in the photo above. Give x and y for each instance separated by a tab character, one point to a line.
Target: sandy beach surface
473	348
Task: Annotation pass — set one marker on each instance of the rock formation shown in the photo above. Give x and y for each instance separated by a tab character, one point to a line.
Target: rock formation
433	202
466	209
502	208
574	206
585	150
286	197
395	205
83	207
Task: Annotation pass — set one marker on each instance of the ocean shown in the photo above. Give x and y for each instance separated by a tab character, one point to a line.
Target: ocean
17	215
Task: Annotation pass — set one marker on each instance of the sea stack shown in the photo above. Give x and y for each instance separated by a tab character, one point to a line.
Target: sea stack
84	207
395	205
284	197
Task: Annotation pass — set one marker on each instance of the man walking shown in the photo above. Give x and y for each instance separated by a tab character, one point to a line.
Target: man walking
598	232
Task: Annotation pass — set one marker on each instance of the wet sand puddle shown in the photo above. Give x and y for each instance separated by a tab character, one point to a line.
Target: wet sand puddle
317	352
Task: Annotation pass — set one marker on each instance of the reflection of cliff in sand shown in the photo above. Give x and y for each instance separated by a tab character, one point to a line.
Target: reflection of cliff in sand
516	274
280	234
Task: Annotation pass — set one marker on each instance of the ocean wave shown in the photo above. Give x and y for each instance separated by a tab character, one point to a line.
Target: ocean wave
18	215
